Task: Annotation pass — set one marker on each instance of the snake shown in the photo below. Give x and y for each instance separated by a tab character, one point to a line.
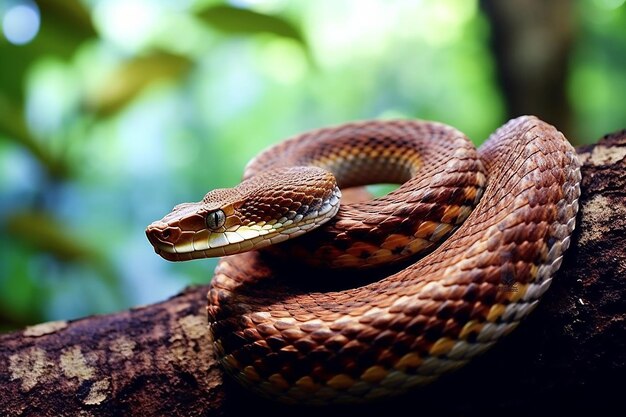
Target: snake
406	287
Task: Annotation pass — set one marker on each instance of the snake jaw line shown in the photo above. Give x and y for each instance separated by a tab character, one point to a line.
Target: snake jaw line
232	224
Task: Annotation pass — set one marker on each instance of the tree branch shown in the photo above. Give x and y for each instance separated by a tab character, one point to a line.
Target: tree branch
156	360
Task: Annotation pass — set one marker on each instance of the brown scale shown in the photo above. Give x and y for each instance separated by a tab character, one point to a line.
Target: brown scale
262	205
391	152
289	344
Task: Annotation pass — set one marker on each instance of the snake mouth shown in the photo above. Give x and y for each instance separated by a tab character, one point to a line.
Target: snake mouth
165	254
231	242
158	234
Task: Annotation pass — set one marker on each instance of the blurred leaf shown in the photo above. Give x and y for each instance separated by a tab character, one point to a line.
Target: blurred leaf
65	25
124	83
69	18
12	125
21	300
45	233
234	20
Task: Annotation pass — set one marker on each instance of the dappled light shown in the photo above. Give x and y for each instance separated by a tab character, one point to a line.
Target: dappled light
21	23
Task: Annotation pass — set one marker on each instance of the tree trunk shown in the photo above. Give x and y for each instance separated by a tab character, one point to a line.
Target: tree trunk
569	357
531	41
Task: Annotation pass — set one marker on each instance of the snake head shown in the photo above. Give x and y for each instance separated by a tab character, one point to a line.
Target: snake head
184	232
266	209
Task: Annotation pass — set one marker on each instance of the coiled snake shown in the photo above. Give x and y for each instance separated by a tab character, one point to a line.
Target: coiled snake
406	328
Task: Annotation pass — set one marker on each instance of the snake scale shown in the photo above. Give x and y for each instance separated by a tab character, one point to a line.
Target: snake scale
504	214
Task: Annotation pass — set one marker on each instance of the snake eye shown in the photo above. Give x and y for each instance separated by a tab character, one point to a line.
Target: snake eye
215	219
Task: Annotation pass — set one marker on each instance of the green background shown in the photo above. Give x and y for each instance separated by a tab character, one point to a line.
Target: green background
117	110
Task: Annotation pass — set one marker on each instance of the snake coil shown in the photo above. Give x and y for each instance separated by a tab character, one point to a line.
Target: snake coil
504	212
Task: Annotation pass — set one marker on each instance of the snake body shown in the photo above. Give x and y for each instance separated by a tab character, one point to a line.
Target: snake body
408	327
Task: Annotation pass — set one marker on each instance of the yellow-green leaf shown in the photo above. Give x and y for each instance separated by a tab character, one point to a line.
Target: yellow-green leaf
124	83
46	234
235	20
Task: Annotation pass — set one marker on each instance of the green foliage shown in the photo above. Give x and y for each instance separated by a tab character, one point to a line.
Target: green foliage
232	20
117	110
597	79
130	78
66	25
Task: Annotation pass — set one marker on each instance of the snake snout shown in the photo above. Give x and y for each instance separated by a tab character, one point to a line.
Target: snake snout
162	236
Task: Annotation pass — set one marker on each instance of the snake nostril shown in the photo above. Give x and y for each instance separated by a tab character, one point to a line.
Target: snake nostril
165	234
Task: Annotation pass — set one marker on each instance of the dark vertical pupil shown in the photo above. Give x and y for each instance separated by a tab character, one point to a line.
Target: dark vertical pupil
215	219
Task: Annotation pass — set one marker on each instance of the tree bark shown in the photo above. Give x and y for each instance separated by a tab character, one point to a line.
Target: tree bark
569	357
531	42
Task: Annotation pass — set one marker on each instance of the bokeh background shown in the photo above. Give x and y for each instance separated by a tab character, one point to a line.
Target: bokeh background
113	111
